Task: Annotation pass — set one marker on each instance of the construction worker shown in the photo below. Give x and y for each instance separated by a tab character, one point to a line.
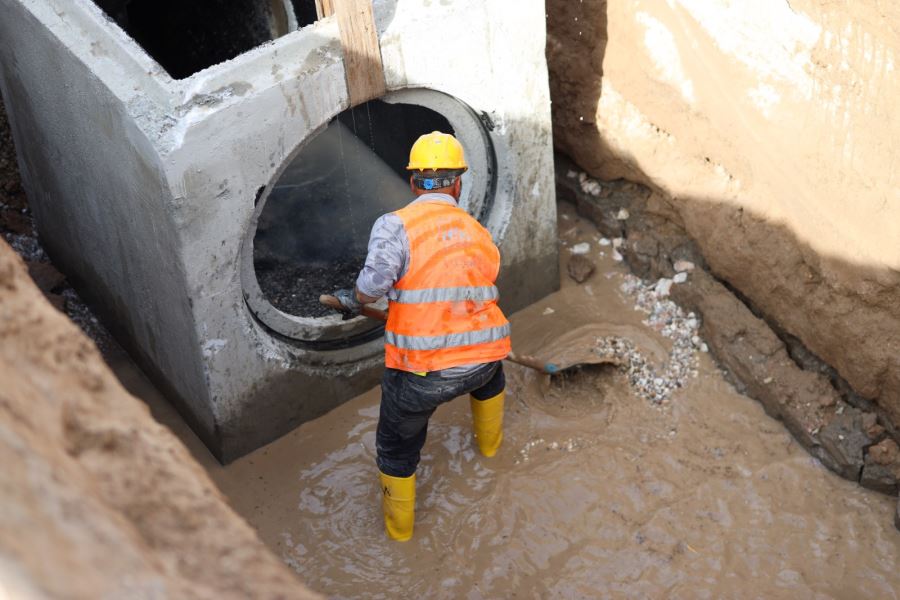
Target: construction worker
445	335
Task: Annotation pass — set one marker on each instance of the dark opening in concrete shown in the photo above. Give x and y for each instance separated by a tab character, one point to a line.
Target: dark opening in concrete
305	10
187	36
312	234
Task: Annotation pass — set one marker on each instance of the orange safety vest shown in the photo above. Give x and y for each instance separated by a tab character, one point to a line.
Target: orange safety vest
444	312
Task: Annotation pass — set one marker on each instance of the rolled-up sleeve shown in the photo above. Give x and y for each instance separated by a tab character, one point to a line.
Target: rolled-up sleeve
387	257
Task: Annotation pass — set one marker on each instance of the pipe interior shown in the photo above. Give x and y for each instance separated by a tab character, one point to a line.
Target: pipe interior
312	234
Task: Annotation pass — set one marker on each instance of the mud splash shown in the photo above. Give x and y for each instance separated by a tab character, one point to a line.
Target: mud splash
596	492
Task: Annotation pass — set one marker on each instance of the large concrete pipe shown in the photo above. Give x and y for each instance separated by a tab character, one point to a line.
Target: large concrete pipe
147	190
317	217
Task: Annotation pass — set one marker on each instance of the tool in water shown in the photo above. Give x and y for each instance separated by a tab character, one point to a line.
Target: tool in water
548	368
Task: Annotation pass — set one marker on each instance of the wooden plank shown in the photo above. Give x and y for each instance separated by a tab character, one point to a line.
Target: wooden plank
362	52
324	8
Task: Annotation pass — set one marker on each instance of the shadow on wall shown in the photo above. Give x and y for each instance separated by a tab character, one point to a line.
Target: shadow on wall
846	313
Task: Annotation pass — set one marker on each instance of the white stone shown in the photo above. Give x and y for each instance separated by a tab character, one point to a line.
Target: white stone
604	242
663	287
680	277
682	266
623	214
617	242
616	256
548	311
581	248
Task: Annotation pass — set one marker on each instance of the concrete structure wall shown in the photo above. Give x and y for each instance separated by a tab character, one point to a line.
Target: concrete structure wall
170	172
97	187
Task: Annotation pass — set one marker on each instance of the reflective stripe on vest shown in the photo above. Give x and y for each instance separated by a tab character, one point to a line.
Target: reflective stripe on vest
454	294
451	340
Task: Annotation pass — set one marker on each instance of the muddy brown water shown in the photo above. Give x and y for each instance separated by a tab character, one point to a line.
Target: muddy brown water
595	493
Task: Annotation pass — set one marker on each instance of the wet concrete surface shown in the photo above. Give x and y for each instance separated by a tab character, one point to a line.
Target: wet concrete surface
596	492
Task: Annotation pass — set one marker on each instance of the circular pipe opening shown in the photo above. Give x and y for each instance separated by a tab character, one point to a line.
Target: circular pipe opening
311	227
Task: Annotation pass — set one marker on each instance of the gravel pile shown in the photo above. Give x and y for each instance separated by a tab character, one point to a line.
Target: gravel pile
26	246
82	316
663	315
295	288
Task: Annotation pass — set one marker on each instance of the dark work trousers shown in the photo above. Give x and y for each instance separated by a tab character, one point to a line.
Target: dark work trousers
408	401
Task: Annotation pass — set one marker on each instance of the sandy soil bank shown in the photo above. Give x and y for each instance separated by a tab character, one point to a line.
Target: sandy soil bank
769	127
98	500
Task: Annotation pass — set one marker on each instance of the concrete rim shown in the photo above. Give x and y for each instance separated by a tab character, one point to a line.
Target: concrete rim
479	185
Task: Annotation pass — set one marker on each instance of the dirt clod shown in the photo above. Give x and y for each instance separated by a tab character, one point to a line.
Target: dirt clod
885	453
580	268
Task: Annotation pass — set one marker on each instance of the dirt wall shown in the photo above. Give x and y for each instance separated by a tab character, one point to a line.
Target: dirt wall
769	129
99	500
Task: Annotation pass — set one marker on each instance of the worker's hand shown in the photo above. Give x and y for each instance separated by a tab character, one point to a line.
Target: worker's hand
351	305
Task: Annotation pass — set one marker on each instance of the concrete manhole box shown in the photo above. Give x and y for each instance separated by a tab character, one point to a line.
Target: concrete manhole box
147	190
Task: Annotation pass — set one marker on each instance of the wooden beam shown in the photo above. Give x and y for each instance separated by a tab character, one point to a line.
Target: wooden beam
324	8
362	52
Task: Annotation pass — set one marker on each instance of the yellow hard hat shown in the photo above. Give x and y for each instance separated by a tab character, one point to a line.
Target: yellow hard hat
436	150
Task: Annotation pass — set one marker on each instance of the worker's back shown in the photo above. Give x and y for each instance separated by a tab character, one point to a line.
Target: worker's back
443	312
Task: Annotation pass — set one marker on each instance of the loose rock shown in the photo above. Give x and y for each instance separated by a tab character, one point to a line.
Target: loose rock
663	287
581	248
580	267
885	453
845	441
682	266
880	478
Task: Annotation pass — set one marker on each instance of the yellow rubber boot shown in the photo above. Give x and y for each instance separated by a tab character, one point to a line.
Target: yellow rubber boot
487	422
399	505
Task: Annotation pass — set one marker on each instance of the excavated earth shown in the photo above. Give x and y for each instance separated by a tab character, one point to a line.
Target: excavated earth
99	500
767	132
851	436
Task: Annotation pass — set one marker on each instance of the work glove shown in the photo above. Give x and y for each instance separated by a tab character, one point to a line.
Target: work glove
352	307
